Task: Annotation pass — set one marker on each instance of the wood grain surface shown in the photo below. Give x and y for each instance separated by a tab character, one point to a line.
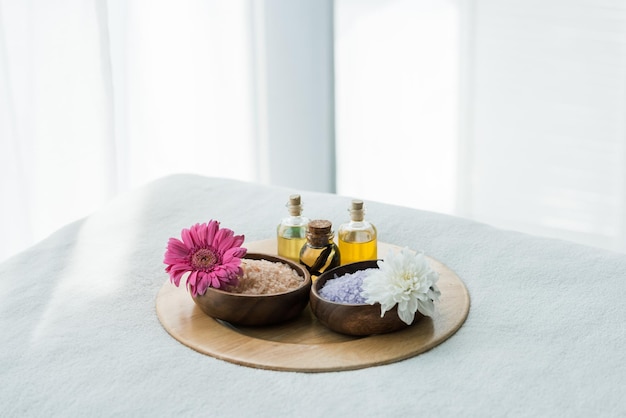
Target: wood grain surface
303	344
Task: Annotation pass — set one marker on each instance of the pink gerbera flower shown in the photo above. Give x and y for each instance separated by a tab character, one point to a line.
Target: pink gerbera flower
211	255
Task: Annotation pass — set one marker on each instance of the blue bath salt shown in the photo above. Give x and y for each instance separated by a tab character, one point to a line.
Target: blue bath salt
346	288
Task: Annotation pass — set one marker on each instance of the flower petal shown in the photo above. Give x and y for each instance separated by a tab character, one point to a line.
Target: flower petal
238	240
426	307
203	284
225	244
200	235
212	228
192	278
406	316
228	258
187	239
196	232
176	248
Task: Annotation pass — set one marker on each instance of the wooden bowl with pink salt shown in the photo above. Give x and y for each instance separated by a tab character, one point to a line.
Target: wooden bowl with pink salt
273	289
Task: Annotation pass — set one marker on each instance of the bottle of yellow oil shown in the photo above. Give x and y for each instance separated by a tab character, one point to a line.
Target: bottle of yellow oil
320	253
358	240
291	232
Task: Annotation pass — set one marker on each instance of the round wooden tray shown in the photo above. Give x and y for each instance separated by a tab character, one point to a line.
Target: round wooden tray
303	344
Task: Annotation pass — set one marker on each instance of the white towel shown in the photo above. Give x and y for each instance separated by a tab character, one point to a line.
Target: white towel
545	336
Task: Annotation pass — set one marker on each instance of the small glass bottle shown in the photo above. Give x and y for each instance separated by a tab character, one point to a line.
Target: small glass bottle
319	253
291	232
357	238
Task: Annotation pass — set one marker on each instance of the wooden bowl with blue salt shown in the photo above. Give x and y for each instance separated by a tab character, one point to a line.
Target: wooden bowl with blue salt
345	316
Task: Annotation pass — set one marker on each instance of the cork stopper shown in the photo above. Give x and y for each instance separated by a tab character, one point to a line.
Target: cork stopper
294	206
320	231
356	211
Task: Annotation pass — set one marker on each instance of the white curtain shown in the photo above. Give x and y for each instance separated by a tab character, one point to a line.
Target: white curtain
509	112
98	97
546	118
505	111
397	91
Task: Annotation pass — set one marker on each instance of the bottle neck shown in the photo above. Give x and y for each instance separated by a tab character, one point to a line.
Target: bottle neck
357	224
316	240
296	220
357	215
295	210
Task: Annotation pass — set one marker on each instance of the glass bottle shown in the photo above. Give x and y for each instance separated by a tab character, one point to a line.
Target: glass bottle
319	253
358	239
291	232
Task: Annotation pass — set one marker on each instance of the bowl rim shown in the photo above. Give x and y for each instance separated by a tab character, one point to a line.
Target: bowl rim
274	258
316	283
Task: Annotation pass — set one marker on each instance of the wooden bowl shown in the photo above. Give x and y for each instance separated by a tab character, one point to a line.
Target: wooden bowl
353	319
255	310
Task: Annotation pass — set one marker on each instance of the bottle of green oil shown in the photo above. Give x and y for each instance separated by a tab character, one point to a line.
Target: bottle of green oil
291	232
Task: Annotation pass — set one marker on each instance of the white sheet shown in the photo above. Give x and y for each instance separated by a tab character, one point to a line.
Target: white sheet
545	334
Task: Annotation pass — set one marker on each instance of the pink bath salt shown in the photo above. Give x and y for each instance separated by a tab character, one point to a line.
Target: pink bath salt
263	277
